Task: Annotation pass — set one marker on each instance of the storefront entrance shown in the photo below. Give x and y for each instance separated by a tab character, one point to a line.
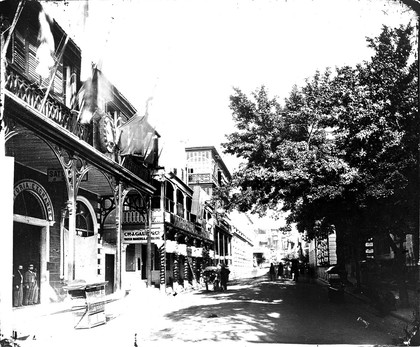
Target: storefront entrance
109	273
26	252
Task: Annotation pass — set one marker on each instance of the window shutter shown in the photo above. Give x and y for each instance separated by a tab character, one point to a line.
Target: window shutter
58	82
32	58
19	51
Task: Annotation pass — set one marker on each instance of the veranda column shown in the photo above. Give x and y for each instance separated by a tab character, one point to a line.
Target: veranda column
176	265
118	220
217	250
194	266
230	250
224	247
186	265
176	269
71	208
162	273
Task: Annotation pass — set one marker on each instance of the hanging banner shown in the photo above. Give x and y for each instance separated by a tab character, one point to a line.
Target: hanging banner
197	252
171	246
182	249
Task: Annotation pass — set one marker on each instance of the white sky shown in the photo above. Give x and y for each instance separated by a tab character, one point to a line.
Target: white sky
189	54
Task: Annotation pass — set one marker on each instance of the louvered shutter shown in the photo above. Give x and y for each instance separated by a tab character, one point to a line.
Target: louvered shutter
32	58
58	83
19	51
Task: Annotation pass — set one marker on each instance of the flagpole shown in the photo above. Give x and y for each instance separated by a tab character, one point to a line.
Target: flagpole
12	28
52	76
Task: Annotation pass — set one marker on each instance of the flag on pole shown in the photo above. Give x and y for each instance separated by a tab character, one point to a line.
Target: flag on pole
45	52
137	138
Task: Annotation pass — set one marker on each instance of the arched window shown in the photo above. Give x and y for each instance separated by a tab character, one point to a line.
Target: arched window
84	221
180	203
169	197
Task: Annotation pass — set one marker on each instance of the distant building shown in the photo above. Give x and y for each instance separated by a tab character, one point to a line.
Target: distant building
206	168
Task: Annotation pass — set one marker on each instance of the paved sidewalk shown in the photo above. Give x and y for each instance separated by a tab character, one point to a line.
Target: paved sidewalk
44	322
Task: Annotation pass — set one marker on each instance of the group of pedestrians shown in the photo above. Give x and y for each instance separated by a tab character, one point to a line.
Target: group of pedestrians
218	276
279	271
25	286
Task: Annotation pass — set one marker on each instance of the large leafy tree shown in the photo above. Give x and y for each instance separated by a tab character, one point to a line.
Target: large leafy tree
342	150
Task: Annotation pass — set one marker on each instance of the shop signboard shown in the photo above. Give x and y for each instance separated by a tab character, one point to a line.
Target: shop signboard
57	175
39	191
140	235
157	216
182	223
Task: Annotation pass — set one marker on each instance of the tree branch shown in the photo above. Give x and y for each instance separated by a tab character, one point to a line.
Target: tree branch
413	4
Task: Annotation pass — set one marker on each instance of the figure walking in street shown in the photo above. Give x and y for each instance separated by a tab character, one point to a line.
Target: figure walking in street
280	270
29	282
272	273
224	276
295	269
18	287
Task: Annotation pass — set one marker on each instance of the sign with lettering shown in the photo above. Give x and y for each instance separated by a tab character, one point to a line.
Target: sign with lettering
57	175
140	235
182	223
39	192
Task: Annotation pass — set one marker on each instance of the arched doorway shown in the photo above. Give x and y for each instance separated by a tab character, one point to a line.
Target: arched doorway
32	214
85	242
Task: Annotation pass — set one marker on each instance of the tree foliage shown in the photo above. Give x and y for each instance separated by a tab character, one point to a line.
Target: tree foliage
342	150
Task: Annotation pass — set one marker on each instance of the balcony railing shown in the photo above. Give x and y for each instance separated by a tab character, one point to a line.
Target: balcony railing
53	109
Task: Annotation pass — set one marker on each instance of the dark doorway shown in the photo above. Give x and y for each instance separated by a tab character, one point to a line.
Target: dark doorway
26	245
109	273
143	262
26	249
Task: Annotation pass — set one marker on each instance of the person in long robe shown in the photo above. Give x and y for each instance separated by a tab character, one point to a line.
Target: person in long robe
29	282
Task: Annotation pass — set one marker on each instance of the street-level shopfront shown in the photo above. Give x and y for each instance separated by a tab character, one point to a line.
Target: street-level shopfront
223	242
70	184
188	252
178	252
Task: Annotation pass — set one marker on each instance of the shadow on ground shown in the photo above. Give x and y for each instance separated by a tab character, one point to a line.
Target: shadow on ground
267	312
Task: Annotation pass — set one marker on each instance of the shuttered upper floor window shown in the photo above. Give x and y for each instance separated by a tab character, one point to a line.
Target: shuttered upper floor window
24	59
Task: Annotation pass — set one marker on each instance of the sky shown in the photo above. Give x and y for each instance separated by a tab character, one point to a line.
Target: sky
188	55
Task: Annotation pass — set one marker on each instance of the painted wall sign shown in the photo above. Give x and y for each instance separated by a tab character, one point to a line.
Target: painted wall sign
181	223
39	192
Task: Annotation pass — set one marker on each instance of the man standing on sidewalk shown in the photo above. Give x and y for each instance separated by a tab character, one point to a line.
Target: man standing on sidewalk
29	282
18	287
224	276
